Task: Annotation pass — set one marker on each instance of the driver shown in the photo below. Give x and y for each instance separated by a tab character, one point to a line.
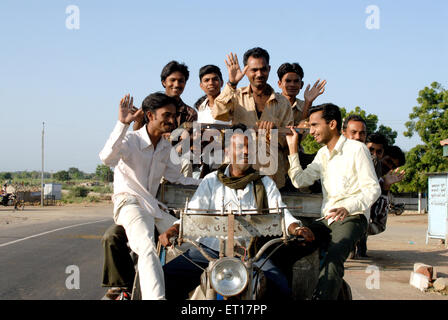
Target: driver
235	183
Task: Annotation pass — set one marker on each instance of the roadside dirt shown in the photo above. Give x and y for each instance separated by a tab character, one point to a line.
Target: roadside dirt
37	214
394	253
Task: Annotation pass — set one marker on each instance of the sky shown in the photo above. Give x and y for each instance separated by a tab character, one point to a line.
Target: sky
73	78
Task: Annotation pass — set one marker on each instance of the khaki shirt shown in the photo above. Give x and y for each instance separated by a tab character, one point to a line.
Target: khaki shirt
297	111
238	106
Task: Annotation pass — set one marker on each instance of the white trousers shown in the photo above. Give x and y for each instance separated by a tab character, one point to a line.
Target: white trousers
139	227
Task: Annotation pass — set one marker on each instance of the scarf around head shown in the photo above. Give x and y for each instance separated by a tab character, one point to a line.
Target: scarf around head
251	175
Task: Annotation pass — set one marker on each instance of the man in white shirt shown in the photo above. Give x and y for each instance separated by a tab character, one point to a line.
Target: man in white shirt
210	81
235	183
349	188
140	159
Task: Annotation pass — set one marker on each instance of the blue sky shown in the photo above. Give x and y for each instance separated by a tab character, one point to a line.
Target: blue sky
74	79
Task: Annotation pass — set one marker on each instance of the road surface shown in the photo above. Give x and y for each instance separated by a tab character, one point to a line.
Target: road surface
39	244
43	249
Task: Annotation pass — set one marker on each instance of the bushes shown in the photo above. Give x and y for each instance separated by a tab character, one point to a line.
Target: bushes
79	191
83	194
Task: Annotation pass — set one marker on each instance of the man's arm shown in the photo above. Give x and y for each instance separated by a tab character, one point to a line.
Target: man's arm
299	177
311	94
115	147
173	172
226	102
200	200
293	225
368	183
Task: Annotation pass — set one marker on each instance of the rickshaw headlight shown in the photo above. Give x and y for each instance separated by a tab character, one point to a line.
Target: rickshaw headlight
229	276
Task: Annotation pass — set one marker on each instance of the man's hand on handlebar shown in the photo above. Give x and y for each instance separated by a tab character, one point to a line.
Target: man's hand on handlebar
165	237
298	231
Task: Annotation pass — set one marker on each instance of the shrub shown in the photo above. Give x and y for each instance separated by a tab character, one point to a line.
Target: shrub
79	192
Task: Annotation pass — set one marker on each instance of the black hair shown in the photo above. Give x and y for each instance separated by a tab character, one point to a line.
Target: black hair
157	100
210	68
396	153
353	117
377	138
256	53
237	126
174	66
330	112
290	67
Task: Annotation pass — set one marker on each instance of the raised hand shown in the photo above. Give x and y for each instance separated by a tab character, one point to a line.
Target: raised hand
139	120
317	89
127	111
293	141
233	68
393	176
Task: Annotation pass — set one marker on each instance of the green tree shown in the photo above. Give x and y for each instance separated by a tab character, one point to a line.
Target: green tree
104	173
430	121
5	176
62	175
311	146
75	173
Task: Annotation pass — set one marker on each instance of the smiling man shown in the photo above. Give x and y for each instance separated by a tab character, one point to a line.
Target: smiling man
255	105
235	183
140	159
349	188
355	128
290	81
174	77
210	81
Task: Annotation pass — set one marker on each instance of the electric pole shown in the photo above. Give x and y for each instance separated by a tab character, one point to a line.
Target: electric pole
42	173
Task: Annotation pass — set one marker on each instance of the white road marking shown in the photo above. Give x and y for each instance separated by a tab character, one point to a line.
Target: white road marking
51	231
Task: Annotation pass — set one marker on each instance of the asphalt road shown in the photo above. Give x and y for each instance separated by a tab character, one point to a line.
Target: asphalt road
35	256
38	245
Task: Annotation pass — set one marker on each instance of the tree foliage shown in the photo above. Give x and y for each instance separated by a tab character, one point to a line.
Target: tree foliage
430	121
62	175
75	173
104	173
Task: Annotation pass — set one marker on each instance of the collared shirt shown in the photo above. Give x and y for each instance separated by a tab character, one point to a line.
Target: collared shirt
347	175
297	111
205	114
139	166
238	105
185	113
211	192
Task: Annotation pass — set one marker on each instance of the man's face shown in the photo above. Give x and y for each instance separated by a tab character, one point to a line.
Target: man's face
211	84
376	150
163	119
257	72
239	153
388	163
174	84
356	130
320	129
290	84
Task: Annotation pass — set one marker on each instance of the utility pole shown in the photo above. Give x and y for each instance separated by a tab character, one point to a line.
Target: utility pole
42	173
